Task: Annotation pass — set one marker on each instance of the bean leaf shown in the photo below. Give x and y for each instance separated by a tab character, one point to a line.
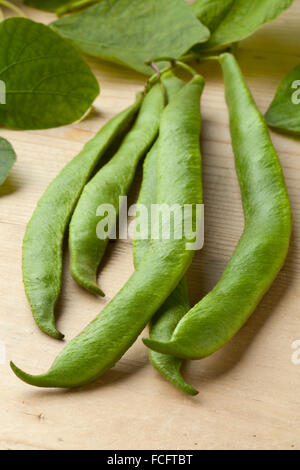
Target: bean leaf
7	159
233	20
45	81
211	12
284	111
130	32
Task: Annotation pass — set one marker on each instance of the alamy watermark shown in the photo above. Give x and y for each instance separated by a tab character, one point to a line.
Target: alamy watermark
296	94
158	222
2	92
296	353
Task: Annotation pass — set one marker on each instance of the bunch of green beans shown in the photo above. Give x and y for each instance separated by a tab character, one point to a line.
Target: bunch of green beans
42	248
168	126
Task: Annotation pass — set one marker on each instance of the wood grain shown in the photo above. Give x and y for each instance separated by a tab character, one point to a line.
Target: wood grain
249	391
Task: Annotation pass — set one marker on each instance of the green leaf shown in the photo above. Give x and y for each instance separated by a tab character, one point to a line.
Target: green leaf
284	111
47	82
233	20
131	32
211	12
7	159
48	5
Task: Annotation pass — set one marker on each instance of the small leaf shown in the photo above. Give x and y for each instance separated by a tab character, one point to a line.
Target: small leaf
46	81
130	32
7	159
233	20
284	111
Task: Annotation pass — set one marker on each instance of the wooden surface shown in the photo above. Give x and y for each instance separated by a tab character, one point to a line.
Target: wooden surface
249	391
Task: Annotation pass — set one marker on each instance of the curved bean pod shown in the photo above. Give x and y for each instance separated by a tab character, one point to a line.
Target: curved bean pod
106	187
103	342
162	327
42	247
263	247
177	304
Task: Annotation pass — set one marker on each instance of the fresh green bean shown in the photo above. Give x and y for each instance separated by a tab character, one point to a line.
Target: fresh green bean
263	247
106	187
105	340
42	248
165	320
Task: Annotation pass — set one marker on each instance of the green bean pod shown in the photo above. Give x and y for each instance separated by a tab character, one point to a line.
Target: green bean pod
263	247
42	247
106	187
166	319
103	342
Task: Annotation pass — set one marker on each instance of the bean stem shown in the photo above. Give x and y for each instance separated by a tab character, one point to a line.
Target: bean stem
174	63
186	67
162	86
154	78
75	5
12	7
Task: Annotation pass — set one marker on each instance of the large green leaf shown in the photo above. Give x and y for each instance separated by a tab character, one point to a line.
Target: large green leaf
131	32
47	82
233	20
284	111
7	159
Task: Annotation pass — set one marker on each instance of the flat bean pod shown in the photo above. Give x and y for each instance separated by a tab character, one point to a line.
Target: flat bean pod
164	322
42	247
103	342
263	247
106	187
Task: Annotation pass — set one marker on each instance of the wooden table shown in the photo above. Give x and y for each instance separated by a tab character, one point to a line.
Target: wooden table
249	391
